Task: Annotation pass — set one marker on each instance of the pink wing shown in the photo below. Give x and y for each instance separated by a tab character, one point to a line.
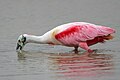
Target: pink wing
83	32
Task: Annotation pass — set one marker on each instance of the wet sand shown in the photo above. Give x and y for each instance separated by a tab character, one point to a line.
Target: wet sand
44	62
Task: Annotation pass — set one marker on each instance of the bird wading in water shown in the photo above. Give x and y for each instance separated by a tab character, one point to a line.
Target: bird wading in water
75	34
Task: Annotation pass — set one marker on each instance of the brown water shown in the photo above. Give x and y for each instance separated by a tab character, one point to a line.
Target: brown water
44	62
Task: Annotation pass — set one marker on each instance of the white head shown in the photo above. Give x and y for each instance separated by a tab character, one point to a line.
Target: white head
21	42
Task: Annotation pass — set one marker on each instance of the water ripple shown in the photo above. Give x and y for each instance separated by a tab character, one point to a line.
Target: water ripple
83	65
76	65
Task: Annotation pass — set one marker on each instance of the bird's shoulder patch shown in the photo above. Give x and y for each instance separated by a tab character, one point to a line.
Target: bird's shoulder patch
68	32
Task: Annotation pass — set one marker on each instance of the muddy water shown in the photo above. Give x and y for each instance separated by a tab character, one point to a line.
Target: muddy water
44	62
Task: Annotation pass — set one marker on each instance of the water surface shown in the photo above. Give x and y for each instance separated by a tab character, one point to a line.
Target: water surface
44	62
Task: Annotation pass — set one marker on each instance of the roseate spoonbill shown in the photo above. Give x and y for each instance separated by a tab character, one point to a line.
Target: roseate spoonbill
75	34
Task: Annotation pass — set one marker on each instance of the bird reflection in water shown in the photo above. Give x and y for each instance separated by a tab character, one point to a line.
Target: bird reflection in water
83	65
75	65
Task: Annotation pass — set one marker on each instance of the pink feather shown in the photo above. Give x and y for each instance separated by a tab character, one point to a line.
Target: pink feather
74	34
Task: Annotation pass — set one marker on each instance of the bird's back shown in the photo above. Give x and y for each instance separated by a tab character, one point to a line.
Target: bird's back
76	32
73	33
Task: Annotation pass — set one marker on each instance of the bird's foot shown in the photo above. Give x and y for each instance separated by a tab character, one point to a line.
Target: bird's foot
75	51
92	51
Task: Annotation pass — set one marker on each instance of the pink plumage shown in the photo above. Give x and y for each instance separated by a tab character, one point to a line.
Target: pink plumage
75	34
83	35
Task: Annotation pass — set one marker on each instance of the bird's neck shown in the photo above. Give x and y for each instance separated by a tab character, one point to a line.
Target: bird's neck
35	39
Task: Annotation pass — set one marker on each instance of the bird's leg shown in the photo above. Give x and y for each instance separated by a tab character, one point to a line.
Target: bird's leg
76	49
85	46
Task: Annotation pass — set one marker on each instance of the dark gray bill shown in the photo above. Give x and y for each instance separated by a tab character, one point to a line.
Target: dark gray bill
18	47
20	43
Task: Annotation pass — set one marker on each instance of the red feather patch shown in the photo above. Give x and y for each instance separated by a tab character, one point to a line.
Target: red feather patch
67	32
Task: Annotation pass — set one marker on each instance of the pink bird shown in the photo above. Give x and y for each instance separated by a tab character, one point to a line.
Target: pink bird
75	34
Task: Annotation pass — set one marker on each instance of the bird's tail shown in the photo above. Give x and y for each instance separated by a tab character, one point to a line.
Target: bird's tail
108	37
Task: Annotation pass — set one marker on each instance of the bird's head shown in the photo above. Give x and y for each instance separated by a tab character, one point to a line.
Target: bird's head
20	42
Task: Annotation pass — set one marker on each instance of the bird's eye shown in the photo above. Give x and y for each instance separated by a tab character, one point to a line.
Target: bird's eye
18	40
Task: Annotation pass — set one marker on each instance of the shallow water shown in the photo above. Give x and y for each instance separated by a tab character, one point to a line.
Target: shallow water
44	62
60	66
